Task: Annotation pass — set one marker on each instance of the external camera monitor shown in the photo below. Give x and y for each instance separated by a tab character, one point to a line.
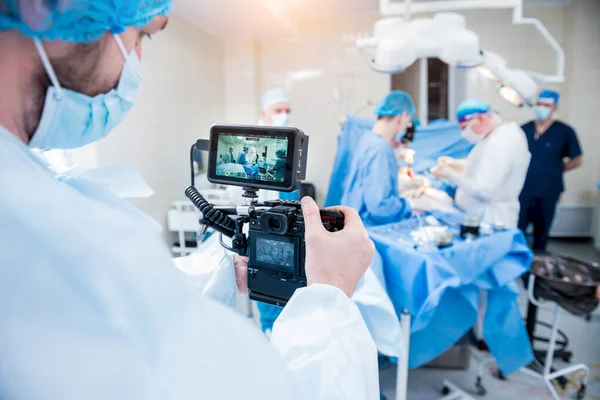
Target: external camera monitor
258	157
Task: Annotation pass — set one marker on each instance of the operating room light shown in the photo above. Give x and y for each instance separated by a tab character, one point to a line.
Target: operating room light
398	44
485	72
513	85
509	94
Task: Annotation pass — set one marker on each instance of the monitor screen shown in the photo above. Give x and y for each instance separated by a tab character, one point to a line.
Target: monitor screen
251	157
276	252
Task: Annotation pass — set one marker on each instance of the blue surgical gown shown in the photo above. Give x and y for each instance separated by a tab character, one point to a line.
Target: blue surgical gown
92	307
241	158
372	183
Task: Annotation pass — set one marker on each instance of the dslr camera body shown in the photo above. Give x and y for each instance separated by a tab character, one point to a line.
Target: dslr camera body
259	157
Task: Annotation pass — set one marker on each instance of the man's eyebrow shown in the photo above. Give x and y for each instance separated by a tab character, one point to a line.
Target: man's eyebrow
164	25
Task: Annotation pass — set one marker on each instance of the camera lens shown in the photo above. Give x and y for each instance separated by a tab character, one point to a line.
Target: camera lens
274	223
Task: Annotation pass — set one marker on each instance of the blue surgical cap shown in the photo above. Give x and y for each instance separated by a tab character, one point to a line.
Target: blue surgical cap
469	109
395	103
80	21
280	153
549	96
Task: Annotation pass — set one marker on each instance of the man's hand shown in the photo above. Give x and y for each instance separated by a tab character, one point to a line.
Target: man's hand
445	172
241	272
339	259
445	161
598	292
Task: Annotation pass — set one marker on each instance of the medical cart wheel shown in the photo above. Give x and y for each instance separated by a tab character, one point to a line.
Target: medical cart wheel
445	390
498	374
479	389
581	392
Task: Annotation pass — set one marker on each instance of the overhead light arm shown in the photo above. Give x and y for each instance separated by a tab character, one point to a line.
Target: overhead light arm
391	8
559	77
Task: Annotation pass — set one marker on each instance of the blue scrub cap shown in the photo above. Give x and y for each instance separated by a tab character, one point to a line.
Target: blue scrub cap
469	109
280	153
80	21
395	103
550	96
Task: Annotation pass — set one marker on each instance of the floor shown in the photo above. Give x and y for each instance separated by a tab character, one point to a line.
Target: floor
584	337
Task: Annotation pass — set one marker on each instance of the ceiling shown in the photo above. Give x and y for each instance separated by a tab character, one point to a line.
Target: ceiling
230	19
248	19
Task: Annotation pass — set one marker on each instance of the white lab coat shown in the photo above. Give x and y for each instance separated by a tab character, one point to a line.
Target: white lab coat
494	176
92	307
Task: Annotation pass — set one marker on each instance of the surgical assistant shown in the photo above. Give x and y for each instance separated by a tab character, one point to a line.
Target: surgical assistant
91	304
372	180
554	150
276	109
490	179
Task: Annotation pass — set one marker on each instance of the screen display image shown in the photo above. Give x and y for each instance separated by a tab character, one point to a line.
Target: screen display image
257	158
275	252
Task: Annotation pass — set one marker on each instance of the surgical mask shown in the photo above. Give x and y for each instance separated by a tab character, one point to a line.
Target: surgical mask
70	119
542	113
471	136
280	120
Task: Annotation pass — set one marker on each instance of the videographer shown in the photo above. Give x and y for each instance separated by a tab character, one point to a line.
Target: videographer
90	302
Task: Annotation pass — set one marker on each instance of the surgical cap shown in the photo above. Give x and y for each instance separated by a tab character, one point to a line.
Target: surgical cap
80	21
549	96
280	153
274	96
395	103
469	109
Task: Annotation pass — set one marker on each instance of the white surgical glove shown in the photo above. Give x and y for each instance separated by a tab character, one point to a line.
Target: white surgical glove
456	164
447	172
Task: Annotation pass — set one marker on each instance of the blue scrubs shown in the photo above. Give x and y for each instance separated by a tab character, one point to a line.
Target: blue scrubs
241	158
544	182
372	183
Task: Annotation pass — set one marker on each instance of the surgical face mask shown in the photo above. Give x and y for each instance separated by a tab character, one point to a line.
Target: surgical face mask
471	136
70	119
542	113
280	120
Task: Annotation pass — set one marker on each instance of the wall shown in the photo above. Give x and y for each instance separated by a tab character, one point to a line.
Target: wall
319	47
181	97
326	79
582	100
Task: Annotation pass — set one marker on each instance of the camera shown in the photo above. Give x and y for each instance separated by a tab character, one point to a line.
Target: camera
259	157
409	136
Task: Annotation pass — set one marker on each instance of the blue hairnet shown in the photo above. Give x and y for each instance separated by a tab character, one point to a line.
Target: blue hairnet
280	153
81	21
395	103
469	109
549	96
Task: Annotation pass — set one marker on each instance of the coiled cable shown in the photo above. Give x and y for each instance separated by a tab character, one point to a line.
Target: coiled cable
209	213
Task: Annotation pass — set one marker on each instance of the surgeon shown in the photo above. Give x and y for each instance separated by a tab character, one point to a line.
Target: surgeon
554	150
490	179
279	167
372	180
229	158
276	108
242	157
91	304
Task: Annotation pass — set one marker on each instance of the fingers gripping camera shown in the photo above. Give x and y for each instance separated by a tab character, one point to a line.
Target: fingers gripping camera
259	157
